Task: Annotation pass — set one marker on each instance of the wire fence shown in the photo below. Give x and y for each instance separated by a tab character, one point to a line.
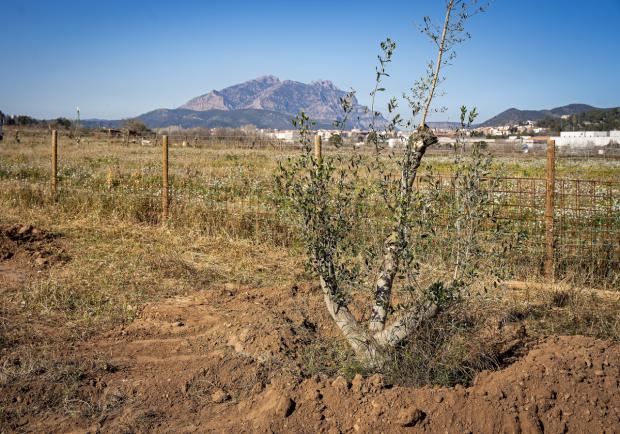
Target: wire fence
586	240
254	139
585	219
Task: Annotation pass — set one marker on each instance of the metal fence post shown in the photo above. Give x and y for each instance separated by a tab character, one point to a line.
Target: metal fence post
54	163
164	192
549	211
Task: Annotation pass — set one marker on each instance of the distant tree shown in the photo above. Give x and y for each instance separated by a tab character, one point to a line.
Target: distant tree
135	126
23	120
593	120
335	140
63	123
372	137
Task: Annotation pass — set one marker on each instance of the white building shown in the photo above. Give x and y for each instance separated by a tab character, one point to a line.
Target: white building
585	139
286	135
396	142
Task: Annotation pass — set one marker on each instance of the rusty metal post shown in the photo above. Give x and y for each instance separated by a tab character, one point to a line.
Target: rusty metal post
164	191
549	211
54	163
318	148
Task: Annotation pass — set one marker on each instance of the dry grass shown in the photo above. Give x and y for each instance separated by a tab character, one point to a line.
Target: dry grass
121	257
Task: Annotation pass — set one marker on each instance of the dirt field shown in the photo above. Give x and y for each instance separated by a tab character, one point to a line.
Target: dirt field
230	358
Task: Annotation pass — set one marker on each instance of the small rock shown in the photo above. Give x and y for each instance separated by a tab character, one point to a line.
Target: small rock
219	396
376	382
178	324
340	383
285	406
357	382
313	395
438	399
599	373
411	417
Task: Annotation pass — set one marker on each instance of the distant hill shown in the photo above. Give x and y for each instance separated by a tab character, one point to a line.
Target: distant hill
186	118
320	100
266	102
591	120
514	116
444	125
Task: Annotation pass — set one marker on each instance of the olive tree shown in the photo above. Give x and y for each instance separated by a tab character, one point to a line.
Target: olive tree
333	197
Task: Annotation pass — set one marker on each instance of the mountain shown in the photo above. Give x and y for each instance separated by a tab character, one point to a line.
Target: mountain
184	118
216	118
266	102
444	125
320	100
514	116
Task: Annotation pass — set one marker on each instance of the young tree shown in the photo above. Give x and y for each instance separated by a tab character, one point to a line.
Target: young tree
134	126
335	140
331	197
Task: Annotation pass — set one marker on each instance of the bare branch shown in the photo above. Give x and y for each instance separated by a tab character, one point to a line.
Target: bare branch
442	48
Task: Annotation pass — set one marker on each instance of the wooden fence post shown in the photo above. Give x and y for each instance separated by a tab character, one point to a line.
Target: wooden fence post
164	192
317	148
54	162
549	211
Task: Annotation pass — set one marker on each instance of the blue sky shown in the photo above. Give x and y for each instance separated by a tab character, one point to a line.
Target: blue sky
118	59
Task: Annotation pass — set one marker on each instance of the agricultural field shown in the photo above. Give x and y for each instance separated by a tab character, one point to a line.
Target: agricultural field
115	320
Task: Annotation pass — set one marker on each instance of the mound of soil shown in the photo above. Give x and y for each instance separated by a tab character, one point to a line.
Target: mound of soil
564	384
220	361
30	245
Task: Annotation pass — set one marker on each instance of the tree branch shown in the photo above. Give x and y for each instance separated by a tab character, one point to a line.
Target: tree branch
442	48
360	340
403	326
395	243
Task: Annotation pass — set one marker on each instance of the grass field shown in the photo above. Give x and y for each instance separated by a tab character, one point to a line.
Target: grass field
112	255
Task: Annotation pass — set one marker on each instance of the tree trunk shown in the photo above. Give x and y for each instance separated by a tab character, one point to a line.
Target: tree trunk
357	336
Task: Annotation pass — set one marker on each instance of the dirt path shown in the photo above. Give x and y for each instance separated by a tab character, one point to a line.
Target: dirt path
215	362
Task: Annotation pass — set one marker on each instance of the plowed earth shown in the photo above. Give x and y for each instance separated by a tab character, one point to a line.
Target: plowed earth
223	360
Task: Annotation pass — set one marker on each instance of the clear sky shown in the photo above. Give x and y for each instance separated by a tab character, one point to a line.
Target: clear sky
117	59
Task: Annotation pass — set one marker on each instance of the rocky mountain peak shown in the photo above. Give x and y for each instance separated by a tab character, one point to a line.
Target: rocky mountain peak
267	79
324	83
319	99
